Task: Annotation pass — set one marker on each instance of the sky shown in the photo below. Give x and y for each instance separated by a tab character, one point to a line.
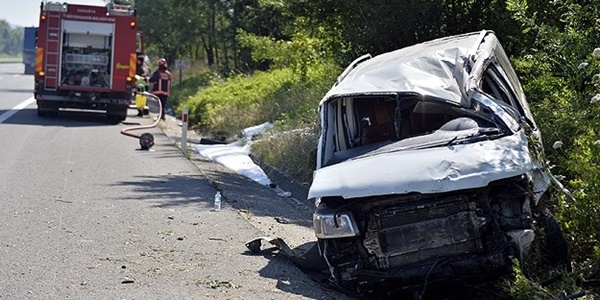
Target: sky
26	12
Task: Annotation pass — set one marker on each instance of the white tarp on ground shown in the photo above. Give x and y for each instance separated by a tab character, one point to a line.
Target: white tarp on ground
235	156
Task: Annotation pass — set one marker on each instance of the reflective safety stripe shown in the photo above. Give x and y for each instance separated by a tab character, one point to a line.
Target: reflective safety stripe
132	64
163	83
39	59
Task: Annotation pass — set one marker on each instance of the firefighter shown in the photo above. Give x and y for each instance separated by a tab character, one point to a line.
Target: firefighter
141	76
161	80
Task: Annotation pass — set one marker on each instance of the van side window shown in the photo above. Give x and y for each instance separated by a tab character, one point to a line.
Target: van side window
495	85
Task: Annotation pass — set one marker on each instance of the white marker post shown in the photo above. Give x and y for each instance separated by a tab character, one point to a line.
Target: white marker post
184	128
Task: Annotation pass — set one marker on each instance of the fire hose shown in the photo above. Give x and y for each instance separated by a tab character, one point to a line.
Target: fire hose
146	139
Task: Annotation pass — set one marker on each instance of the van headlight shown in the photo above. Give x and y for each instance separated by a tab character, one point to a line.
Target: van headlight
332	226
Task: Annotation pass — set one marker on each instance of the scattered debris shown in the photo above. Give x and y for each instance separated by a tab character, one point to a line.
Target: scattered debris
127	280
214	284
282	220
310	259
280	192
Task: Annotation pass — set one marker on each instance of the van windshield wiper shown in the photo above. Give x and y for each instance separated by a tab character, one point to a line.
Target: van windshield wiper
437	139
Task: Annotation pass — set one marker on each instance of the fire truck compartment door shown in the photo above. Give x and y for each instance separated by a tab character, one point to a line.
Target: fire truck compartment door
87	34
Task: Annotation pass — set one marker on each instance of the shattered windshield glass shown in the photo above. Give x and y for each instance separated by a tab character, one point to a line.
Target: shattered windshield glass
370	125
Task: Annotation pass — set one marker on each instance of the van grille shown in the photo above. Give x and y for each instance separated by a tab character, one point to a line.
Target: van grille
406	233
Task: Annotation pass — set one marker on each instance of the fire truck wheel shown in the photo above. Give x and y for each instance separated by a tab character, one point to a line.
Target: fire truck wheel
46	110
117	115
47	113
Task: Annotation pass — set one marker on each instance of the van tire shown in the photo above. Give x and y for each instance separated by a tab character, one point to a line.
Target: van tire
555	250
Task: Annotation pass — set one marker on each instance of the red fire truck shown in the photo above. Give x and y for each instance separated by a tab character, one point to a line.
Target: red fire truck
86	58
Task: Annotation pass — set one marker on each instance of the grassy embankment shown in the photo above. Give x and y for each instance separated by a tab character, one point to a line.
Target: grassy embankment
6	59
221	108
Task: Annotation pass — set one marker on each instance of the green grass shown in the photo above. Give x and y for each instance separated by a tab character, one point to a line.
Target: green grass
292	151
223	107
220	108
6	59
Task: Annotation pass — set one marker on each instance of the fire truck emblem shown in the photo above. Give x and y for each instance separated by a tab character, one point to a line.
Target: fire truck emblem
122	67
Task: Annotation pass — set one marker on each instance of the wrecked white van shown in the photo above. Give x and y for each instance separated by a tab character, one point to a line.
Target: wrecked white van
429	169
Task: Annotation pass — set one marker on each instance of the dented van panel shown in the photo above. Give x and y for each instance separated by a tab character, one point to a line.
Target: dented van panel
429	169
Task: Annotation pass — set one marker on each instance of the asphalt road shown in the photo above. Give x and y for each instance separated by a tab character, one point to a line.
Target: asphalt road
85	214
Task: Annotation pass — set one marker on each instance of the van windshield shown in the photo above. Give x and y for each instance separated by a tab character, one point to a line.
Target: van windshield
370	125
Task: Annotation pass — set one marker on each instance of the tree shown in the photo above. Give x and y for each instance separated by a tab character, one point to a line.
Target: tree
11	39
180	28
357	27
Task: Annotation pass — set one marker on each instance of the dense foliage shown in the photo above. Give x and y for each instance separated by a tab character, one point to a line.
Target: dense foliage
561	74
11	39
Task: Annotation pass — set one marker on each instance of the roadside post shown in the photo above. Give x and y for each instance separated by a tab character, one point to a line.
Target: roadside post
184	129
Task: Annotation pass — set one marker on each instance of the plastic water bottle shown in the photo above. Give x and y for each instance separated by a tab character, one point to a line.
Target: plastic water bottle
218	201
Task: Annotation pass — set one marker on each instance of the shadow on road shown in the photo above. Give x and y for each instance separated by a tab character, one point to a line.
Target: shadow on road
65	118
239	192
21	91
245	194
171	190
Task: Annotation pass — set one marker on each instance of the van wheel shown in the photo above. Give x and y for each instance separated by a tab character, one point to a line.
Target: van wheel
555	250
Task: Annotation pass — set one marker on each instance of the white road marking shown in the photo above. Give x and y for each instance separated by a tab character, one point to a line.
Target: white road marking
14	110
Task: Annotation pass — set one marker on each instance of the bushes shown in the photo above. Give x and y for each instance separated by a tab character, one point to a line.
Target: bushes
190	87
238	103
292	151
561	76
288	96
242	101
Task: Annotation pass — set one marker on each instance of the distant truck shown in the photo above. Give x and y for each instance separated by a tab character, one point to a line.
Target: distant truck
29	49
86	58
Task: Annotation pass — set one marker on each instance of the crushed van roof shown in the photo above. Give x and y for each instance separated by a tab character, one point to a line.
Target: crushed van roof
434	68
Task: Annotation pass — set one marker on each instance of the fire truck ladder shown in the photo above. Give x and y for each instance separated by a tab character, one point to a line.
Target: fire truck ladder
53	43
